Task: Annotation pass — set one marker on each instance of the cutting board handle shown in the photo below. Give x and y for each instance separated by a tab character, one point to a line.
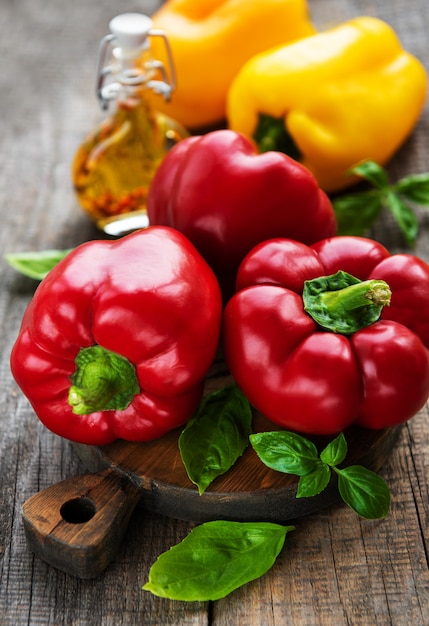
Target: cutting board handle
78	524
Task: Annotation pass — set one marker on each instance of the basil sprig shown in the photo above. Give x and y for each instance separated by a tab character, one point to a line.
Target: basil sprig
215	559
219	556
357	212
36	264
361	489
216	436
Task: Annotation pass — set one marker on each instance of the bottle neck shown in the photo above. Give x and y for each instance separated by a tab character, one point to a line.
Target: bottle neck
130	74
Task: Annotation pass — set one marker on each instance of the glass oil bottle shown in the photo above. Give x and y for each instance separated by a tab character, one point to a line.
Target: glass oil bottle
113	168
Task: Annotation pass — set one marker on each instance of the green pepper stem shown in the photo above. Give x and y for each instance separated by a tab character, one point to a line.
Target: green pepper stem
366	293
271	134
103	380
344	304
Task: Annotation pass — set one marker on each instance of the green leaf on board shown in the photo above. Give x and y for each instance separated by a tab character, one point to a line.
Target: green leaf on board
315	482
364	491
285	452
361	489
335	452
216	436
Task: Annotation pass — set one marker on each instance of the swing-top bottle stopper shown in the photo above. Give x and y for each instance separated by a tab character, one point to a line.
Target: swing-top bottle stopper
131	61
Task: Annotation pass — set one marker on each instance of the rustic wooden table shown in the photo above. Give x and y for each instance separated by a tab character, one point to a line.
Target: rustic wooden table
336	569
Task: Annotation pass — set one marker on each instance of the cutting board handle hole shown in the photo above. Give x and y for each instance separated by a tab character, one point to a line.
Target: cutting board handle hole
78	510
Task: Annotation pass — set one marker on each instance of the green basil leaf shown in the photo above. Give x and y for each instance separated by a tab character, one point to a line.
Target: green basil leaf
215	559
286	452
36	264
335	452
216	436
404	216
364	491
315	482
372	172
414	188
356	213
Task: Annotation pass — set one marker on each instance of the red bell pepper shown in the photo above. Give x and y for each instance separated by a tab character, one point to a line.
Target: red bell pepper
226	198
118	338
324	336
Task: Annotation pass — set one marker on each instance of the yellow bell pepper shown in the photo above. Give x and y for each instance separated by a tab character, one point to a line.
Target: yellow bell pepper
210	41
331	100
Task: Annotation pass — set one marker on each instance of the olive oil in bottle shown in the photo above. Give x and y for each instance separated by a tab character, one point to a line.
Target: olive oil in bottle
114	166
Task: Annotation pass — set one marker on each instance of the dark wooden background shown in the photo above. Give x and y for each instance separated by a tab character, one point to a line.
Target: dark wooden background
336	569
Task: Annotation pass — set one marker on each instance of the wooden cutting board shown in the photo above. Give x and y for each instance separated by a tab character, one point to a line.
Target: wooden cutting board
78	524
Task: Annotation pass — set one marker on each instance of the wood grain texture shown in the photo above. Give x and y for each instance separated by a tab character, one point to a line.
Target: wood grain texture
336	569
77	525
